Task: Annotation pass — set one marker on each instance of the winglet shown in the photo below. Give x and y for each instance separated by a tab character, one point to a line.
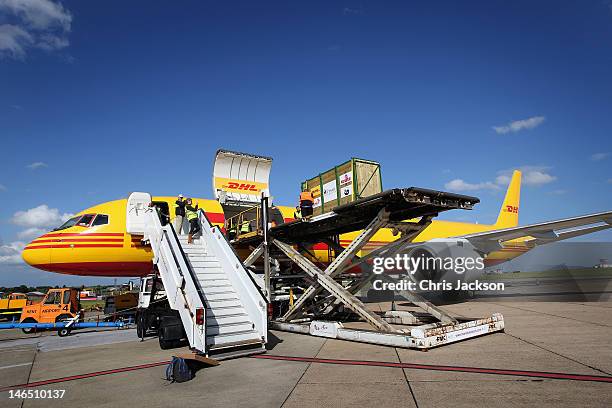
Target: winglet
509	212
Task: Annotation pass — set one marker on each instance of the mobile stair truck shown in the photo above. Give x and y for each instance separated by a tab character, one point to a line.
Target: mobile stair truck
219	308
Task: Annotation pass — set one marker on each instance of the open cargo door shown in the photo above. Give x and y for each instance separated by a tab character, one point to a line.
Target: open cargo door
137	204
240	178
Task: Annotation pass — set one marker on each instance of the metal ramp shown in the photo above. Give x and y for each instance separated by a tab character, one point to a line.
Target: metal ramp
222	310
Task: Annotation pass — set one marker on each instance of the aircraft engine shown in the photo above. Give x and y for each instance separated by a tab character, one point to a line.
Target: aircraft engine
449	260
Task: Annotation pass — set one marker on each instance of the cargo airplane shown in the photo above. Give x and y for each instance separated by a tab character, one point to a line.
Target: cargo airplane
95	242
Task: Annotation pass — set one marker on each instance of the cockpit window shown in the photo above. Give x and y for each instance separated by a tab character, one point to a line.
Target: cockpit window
101	219
70	223
85	220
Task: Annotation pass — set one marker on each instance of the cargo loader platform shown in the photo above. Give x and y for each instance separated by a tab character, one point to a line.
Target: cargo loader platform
401	203
315	310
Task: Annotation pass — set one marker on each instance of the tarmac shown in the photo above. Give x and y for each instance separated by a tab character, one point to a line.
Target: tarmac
558	337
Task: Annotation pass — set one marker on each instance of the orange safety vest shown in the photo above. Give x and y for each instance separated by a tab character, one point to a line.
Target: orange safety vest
306	196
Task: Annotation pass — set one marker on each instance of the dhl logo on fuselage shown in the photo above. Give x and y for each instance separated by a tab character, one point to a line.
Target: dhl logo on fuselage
239	186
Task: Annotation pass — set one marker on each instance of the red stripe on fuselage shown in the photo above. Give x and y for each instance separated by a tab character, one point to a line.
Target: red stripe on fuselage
75	246
84	234
39	241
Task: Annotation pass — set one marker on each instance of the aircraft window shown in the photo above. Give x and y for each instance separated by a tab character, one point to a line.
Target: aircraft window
101	219
85	220
66	297
70	223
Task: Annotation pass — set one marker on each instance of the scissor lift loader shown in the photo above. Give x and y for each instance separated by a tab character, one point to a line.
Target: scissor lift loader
313	312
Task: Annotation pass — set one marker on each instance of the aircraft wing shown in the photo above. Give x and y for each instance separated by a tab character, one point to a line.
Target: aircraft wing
542	233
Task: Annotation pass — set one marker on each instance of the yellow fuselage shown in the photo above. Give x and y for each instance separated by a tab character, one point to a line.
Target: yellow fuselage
108	250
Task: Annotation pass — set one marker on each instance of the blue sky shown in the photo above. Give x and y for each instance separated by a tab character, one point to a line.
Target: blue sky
100	98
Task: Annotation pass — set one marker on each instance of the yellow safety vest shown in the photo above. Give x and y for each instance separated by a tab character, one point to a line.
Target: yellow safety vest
297	214
190	214
244	227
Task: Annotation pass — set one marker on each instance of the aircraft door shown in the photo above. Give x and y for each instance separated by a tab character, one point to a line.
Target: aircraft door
137	204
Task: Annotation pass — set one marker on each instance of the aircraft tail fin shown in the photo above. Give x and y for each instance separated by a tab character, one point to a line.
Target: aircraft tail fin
509	212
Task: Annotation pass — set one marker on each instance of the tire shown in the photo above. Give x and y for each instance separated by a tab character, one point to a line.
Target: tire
141	325
63	332
62	317
165	344
30	330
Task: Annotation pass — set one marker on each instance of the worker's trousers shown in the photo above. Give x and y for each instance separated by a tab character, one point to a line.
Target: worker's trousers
179	224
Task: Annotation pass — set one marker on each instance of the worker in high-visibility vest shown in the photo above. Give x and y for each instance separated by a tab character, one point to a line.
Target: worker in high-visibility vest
191	213
232	231
297	214
306	203
245	227
179	214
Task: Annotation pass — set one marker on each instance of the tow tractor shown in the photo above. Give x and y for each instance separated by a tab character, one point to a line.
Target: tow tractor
59	310
58	305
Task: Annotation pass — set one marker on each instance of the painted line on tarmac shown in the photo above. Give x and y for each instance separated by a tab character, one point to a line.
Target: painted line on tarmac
81	376
479	370
15	365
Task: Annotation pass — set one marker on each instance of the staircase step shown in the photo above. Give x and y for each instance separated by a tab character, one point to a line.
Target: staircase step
225	311
227	320
205	264
229	329
217	297
218	283
219	289
194	249
201	256
236	338
222	304
207	276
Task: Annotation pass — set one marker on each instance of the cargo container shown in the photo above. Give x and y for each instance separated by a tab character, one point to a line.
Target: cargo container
343	184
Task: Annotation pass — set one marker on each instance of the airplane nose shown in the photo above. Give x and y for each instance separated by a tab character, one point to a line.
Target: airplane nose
37	254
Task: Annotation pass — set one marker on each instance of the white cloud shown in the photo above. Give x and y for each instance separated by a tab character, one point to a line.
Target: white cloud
558	192
11	253
31	233
460	185
40	217
14	41
519	125
352	11
41	24
532	176
36	165
600	156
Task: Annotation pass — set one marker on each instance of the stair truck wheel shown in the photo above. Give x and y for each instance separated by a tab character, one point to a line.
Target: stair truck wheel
170	332
29	330
141	324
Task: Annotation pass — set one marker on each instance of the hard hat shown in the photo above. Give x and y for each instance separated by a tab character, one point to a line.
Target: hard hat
180	196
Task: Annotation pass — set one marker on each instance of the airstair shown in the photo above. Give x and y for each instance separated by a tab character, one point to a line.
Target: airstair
223	311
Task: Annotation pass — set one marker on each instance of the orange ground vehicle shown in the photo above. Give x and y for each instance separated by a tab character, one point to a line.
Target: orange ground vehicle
56	306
